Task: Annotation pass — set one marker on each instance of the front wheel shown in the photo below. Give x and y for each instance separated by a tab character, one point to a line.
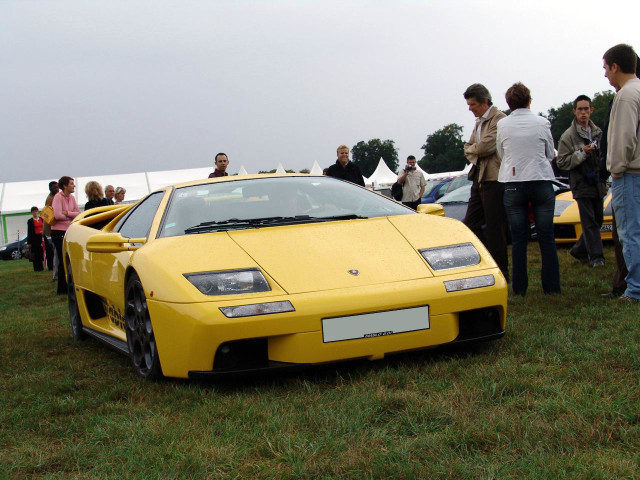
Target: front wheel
16	254
140	337
74	312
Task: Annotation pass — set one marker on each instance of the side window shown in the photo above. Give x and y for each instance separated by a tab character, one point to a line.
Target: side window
138	223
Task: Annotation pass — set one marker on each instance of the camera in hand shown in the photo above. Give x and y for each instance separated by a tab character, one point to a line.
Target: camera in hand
593	144
409	168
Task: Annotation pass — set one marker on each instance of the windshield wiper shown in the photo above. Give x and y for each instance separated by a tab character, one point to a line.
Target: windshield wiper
340	217
235	223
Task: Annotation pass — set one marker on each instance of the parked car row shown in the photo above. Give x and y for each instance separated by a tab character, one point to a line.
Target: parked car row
566	219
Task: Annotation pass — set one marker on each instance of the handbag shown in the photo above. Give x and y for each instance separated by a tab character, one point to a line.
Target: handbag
396	191
48	215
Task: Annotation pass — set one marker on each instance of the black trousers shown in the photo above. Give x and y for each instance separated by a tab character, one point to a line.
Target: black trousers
413	205
486	209
36	249
589	245
57	236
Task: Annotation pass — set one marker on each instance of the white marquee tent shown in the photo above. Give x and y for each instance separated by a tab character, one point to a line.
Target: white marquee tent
382	175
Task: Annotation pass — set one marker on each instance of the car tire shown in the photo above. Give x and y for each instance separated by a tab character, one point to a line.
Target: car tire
16	254
74	312
140	337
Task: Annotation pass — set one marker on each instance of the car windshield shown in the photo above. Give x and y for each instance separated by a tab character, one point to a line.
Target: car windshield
271	201
431	184
458	182
461	194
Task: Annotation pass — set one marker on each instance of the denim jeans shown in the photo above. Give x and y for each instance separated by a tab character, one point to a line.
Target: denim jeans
540	194
626	207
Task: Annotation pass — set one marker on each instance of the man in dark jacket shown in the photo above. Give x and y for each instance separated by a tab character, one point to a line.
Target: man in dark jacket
345	169
579	153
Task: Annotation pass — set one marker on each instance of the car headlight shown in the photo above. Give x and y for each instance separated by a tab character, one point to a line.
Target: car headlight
561	206
2	249
455	256
257	309
229	282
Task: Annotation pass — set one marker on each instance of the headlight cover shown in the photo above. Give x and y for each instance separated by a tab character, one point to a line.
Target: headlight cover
454	256
2	249
561	206
229	282
257	309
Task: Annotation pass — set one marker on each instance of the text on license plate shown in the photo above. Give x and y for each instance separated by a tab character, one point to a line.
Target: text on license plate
379	324
606	228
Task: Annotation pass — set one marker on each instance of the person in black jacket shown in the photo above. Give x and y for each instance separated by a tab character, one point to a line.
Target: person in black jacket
345	169
34	239
94	193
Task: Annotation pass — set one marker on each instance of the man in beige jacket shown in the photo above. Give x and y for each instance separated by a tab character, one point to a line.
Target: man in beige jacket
623	158
486	204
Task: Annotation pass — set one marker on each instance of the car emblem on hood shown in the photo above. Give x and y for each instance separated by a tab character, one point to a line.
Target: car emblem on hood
354	272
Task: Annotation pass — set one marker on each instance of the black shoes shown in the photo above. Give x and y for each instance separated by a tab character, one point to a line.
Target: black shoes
598	262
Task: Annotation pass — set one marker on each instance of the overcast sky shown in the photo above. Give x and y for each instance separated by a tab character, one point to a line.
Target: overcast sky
106	87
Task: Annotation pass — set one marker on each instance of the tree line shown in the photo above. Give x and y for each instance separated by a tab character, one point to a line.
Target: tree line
444	148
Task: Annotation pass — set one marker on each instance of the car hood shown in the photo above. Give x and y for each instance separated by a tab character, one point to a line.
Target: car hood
306	257
333	255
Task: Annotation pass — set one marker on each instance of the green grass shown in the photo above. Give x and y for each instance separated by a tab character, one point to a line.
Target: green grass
557	397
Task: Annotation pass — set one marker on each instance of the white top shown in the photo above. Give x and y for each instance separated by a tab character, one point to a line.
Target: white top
525	145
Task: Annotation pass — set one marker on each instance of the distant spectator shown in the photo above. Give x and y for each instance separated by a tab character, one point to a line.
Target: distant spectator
344	169
109	193
525	145
52	257
222	162
120	191
325	171
65	209
34	238
93	190
579	153
412	182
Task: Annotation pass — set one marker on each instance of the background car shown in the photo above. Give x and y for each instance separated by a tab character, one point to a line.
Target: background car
434	190
257	272
566	219
13	250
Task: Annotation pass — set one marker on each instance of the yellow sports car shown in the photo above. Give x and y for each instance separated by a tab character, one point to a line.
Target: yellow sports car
265	271
566	220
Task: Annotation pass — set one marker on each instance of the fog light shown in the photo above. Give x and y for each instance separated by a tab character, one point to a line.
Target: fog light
469	283
257	309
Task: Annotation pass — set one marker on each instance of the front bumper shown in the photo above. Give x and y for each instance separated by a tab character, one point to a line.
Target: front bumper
190	336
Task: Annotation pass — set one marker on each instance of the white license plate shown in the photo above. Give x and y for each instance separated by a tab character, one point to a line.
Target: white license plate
606	228
379	324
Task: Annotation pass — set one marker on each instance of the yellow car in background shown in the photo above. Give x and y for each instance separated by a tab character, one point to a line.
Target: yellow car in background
566	220
266	271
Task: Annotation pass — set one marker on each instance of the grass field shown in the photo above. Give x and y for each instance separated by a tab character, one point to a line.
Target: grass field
557	397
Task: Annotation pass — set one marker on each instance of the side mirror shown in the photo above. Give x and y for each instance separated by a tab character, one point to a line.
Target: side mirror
113	243
431	209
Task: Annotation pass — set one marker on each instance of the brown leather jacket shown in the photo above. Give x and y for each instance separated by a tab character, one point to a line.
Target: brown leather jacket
482	152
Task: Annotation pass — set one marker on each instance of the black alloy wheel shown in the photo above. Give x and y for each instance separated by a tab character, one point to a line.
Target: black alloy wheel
74	312
140	338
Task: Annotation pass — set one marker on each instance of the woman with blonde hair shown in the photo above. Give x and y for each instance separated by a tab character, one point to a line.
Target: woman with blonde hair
95	195
119	196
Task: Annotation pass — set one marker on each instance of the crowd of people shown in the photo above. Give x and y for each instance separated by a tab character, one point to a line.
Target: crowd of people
45	238
512	176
